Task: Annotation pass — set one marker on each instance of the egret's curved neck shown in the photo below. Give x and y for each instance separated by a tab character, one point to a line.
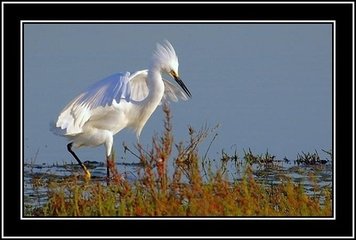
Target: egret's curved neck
155	93
150	103
155	85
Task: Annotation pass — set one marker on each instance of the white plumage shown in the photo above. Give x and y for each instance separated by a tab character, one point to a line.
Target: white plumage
122	100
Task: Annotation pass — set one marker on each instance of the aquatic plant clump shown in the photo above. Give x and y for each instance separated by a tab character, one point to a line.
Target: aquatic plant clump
194	188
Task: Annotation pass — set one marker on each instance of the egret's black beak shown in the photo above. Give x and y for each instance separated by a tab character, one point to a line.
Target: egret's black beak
181	83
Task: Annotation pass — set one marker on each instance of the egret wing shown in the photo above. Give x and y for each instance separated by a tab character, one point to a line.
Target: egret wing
173	92
102	93
138	85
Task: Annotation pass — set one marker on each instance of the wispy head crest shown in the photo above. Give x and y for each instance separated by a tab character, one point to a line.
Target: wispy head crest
165	56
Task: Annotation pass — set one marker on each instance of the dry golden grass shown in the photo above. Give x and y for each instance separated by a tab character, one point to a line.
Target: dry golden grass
183	193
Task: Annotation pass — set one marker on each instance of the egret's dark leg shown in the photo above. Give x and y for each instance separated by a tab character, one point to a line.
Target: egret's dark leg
108	163
111	171
69	147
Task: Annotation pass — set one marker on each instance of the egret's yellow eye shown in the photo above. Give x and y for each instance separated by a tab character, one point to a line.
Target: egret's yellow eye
173	73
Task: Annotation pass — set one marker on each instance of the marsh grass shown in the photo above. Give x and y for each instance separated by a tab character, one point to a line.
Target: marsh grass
195	188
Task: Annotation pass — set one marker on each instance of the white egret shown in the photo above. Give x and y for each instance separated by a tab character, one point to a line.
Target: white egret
123	100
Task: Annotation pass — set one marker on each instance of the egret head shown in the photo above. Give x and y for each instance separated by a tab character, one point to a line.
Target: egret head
165	59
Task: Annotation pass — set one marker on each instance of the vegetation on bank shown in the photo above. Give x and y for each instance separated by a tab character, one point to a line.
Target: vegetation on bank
194	188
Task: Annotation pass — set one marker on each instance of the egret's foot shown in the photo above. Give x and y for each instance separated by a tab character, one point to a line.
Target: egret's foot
87	174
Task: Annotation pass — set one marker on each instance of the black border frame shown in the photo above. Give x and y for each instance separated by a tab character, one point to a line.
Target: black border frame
342	13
